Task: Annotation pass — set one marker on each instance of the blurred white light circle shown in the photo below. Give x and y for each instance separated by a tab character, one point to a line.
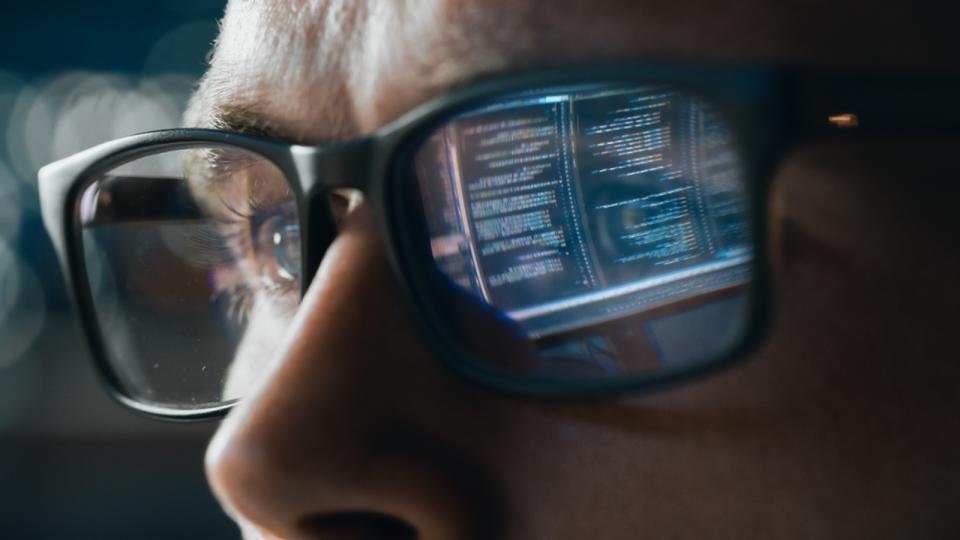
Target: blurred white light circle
172	90
86	116
9	282
104	107
10	205
10	84
17	148
138	111
22	306
78	110
10	87
32	121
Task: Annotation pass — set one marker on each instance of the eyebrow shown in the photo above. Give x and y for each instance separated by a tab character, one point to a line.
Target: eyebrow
248	118
216	104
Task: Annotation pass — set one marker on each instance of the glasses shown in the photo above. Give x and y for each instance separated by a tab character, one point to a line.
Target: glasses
565	234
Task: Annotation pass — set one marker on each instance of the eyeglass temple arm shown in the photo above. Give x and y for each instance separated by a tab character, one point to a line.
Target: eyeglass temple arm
873	104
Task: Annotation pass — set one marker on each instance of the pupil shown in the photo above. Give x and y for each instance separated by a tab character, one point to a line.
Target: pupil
286	249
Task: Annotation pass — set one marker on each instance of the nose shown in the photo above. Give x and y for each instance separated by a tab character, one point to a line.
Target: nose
356	430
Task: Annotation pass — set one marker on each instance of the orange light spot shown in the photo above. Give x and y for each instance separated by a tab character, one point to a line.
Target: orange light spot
846	120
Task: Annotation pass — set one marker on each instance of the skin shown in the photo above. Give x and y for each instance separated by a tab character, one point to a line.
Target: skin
842	425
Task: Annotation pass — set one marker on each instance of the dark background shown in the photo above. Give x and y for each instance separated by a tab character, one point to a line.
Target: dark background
72	463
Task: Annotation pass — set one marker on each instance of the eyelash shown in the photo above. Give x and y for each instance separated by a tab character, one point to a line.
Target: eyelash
233	242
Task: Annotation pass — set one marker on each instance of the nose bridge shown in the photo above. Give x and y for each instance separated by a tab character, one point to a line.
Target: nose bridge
353	394
337	165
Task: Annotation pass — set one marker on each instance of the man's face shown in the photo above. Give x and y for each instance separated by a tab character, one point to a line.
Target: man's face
842	425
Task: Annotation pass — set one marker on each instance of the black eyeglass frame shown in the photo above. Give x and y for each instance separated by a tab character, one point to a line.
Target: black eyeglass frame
769	110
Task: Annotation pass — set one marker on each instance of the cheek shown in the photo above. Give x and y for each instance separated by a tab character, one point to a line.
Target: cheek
866	288
875	225
881	216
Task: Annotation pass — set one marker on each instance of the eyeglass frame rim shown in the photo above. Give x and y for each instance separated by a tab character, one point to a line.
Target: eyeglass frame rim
765	125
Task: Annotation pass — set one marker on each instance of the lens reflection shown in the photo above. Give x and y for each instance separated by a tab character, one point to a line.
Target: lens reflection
607	223
191	256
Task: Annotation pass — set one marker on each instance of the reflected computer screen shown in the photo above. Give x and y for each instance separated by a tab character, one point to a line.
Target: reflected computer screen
572	207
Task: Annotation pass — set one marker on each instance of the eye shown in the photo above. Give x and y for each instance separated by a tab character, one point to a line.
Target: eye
278	249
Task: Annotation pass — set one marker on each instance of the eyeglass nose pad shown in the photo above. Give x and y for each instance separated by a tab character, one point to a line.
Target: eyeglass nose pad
321	231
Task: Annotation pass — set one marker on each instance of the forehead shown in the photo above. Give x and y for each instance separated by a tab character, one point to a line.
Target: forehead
316	70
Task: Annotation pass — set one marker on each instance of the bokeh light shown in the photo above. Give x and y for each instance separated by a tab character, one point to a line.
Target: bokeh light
9	284
98	108
77	110
49	118
31	124
76	74
10	205
46	120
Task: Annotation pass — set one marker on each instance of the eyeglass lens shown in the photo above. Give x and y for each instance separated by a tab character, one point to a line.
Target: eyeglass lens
193	262
606	224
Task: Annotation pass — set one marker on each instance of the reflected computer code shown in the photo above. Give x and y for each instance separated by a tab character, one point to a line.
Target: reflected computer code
575	207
